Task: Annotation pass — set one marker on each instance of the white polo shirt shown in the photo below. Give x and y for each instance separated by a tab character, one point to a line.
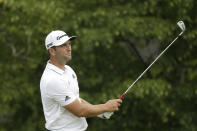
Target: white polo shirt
58	89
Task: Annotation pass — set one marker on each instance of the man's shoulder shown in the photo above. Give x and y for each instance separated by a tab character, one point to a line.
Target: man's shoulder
49	75
67	67
50	80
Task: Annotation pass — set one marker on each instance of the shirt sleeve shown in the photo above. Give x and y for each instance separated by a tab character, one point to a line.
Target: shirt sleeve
60	92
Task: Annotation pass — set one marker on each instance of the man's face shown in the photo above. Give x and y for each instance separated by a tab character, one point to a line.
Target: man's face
63	52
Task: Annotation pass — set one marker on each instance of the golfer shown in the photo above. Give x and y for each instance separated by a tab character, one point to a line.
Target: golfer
64	110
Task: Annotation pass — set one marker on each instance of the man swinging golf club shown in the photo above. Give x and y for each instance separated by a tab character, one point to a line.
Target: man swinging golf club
64	110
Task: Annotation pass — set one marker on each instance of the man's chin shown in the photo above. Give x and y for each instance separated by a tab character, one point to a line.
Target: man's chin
68	58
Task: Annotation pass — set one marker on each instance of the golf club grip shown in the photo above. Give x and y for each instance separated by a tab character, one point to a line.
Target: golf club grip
107	115
122	96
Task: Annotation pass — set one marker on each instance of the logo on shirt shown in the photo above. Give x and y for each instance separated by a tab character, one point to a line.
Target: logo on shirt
73	76
67	98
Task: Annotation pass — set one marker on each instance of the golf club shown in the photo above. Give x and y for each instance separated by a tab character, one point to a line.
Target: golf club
181	24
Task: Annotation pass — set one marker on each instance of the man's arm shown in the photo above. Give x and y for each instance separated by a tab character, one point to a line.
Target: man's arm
85	109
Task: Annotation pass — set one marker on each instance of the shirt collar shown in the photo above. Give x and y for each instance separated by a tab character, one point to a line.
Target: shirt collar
54	68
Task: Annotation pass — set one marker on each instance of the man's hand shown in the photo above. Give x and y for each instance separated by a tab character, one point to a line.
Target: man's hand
112	105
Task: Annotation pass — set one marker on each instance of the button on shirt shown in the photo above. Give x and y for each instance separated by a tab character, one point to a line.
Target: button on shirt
58	89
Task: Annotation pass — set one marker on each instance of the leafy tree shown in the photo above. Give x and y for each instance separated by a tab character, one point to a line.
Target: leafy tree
116	41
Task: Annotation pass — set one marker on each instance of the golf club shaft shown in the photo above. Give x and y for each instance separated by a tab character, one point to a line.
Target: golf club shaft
124	94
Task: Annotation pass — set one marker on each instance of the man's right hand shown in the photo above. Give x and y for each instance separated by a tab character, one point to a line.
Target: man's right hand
112	105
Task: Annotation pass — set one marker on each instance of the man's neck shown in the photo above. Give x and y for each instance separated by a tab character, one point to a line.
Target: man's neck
61	66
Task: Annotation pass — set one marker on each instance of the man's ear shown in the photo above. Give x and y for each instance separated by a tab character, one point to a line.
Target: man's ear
52	51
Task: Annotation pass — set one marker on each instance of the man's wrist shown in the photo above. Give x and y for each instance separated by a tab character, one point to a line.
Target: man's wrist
104	108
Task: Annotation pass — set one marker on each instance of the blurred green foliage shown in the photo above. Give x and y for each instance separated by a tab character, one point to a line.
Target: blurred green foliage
116	41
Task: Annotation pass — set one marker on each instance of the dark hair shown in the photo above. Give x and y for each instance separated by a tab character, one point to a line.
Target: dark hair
54	47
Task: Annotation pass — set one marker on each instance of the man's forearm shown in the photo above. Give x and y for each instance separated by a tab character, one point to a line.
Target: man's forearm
92	110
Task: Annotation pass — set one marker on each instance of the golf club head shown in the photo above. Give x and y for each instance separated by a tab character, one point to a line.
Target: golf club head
181	25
